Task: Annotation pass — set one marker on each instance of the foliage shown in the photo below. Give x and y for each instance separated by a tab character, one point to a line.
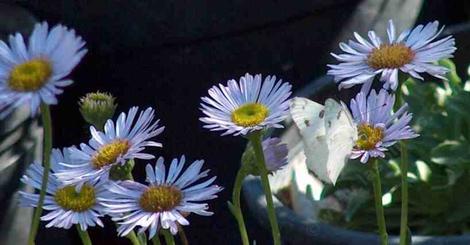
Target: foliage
439	174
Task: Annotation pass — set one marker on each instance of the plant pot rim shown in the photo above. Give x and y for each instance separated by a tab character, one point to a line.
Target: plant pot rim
298	229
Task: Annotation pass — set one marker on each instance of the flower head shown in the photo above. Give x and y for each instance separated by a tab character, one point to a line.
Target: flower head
34	73
246	106
378	126
120	141
412	52
165	202
65	204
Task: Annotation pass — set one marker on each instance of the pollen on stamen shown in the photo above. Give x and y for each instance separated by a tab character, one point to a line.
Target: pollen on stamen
69	199
390	56
160	198
368	136
250	114
109	153
30	76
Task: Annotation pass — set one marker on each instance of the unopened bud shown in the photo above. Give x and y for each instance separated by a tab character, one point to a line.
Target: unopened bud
97	108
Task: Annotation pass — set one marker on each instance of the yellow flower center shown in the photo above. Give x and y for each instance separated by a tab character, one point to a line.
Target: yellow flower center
250	114
69	199
390	56
30	76
160	198
368	136
109	153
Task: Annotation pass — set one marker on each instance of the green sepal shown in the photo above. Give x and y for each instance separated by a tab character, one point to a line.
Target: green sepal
122	172
249	161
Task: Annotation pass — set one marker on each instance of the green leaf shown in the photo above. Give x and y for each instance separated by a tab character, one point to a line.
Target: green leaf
358	199
451	152
458	103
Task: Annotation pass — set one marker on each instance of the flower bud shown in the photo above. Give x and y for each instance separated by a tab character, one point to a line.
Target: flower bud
275	156
121	172
96	108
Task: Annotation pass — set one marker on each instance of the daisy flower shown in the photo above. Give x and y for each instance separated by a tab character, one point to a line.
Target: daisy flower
65	205
34	73
275	154
378	126
120	142
412	52
246	106
165	202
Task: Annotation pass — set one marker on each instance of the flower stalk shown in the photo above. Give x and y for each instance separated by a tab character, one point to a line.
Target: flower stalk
235	208
255	139
169	239
182	234
46	160
84	236
133	238
156	240
404	194
404	178
378	202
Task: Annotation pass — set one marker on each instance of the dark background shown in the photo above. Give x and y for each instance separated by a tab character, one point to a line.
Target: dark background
166	54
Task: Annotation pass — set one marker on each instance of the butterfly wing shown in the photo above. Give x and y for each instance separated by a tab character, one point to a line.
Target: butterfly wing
341	135
309	118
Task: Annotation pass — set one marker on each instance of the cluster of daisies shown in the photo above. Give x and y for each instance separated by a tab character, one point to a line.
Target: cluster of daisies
250	105
81	189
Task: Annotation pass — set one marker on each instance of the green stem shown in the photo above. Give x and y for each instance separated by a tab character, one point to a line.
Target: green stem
184	239
169	239
84	236
46	158
404	194
404	175
133	238
156	240
255	139
378	203
237	211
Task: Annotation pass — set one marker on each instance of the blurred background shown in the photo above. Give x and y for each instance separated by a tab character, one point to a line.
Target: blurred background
166	54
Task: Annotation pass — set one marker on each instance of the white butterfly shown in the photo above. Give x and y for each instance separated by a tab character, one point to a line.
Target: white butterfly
328	133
